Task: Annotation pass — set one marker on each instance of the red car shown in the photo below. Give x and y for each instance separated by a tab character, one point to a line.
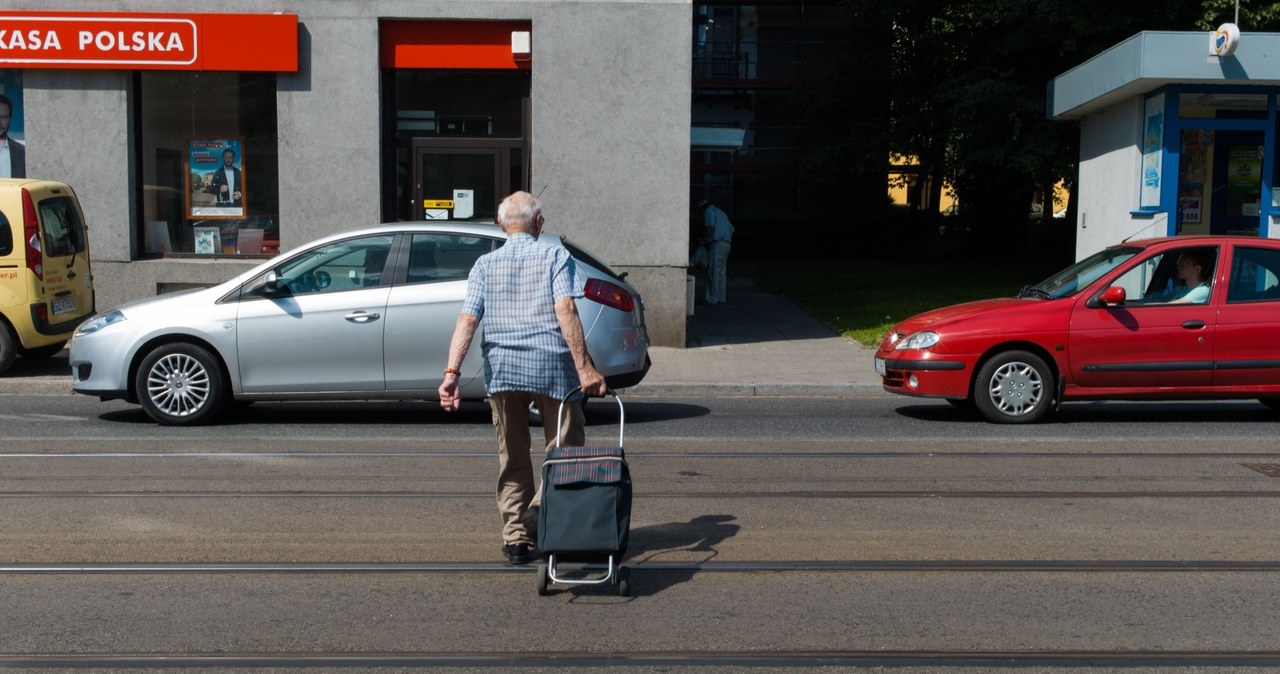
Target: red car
1178	318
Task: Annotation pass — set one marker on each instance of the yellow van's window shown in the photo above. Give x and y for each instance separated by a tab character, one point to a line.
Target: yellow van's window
6	236
63	234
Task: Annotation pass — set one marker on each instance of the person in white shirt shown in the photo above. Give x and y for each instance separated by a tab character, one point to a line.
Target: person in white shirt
717	234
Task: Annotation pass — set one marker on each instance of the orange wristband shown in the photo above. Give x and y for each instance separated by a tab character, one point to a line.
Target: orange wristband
453	371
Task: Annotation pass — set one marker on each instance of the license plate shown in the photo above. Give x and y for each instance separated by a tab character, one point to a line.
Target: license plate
63	305
880	366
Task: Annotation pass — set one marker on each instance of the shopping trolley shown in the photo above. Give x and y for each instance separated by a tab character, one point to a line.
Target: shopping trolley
585	515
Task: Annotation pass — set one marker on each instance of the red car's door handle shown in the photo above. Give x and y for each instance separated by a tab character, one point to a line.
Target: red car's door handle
1193	325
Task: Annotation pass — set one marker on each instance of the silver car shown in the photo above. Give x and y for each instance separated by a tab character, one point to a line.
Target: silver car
362	315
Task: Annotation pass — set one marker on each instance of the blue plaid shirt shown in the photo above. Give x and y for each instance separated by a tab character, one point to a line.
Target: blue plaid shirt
514	290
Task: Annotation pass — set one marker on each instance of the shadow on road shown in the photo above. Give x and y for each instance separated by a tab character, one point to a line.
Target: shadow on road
1228	412
53	366
699	535
426	412
650	544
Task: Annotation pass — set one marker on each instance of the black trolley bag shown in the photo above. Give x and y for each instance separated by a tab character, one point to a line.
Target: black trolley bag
586	510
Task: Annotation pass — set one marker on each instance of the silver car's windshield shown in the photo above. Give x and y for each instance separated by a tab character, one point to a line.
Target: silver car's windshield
1078	276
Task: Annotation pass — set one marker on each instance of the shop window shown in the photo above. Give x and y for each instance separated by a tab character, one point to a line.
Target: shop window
1222	105
209	164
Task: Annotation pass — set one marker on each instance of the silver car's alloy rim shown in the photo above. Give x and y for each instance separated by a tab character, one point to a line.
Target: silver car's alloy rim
178	385
1016	388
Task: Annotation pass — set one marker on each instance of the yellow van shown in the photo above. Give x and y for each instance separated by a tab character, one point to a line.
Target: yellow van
46	287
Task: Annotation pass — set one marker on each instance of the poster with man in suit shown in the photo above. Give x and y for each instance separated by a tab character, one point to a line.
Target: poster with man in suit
216	176
13	153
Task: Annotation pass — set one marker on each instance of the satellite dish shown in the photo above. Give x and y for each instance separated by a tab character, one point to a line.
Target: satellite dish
1223	42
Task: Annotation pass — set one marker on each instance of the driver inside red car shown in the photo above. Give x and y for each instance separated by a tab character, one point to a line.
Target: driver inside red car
1194	271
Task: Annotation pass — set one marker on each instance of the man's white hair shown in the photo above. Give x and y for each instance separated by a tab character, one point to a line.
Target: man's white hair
519	212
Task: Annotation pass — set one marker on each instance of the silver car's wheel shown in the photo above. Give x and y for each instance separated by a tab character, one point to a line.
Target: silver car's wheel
1015	387
181	384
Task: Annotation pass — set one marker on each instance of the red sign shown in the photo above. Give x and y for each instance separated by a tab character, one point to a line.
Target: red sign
128	41
482	45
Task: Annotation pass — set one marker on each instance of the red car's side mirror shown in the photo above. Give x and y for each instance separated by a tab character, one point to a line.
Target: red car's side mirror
1112	296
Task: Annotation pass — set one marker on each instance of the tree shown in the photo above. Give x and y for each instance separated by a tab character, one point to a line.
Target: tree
961	85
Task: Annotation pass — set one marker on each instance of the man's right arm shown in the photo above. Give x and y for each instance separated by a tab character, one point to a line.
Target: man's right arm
464	330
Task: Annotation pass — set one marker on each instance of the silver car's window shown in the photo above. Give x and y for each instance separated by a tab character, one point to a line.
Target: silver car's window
444	257
345	265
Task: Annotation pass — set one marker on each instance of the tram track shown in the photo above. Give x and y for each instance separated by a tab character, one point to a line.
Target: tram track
656	454
672	495
650	659
643	567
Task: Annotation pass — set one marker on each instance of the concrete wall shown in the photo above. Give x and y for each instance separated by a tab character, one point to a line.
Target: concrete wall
1110	159
610	136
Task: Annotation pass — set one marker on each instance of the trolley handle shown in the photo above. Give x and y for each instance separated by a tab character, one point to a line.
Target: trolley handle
622	413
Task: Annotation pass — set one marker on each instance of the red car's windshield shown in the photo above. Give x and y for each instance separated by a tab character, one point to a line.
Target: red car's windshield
1075	278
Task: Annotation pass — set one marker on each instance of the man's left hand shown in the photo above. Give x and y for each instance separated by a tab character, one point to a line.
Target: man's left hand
592	382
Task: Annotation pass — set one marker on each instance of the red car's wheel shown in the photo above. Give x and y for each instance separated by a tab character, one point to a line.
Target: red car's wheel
1014	387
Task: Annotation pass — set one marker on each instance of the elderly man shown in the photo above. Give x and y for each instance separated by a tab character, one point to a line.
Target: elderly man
534	352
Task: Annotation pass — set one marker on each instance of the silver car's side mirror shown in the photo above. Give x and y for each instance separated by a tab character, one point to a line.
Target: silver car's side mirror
271	283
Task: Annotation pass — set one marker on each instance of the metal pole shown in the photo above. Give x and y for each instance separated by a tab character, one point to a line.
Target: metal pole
1237	13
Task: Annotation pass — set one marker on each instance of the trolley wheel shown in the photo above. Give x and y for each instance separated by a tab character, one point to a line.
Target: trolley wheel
542	579
624	581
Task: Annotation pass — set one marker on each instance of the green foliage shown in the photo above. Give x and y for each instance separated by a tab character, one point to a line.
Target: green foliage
1255	17
960	84
863	299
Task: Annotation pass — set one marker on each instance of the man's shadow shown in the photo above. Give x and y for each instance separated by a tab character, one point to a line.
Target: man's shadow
653	543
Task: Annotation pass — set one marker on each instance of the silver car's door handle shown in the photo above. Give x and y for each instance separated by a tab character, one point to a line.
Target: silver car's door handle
361	317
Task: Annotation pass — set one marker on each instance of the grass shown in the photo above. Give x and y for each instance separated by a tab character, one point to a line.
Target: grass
863	299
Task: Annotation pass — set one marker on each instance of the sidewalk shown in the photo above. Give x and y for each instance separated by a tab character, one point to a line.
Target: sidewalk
759	344
756	345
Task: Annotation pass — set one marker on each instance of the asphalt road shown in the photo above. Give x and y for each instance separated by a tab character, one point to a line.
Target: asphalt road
768	534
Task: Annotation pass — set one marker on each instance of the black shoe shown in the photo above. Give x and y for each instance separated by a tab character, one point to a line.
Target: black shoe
518	554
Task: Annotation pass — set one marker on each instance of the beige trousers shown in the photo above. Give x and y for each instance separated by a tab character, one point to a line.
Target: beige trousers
517	492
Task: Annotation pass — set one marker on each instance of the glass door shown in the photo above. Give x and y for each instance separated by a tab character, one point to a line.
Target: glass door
1237	179
462	179
457	183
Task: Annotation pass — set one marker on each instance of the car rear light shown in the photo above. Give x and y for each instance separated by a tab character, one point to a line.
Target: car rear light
609	294
31	232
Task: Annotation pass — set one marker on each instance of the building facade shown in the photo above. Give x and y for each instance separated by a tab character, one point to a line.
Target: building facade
201	142
1177	136
751	136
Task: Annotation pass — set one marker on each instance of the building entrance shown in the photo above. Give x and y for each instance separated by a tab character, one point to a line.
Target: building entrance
1237	177
464	179
460	142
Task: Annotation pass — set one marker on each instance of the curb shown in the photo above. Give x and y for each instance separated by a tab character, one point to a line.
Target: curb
62	386
761	389
36	386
